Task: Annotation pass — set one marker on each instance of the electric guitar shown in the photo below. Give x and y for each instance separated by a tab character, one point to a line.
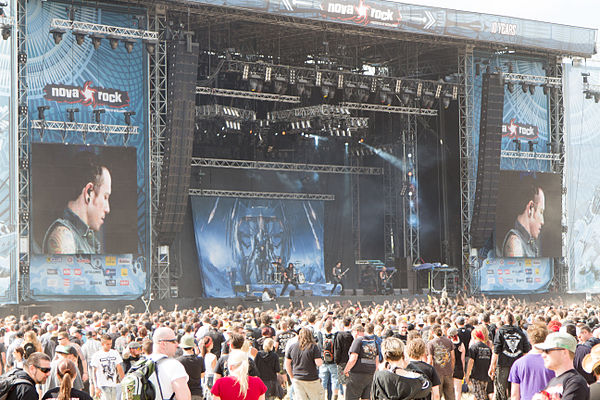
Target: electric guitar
340	276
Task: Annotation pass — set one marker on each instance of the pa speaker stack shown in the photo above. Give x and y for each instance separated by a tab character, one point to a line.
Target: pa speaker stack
488	168
177	157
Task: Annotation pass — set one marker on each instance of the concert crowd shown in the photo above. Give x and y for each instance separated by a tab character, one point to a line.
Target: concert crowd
421	348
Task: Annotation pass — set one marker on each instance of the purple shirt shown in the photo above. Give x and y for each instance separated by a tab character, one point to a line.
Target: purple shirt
529	372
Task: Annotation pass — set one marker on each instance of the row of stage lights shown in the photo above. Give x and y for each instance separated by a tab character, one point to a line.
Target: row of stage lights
97	33
72	111
590	91
528	83
303	81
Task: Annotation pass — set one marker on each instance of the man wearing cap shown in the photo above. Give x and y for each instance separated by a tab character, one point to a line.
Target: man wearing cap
558	351
217	337
61	352
131	355
193	364
107	370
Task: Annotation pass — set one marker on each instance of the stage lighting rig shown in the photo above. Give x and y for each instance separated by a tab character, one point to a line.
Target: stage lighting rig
127	115
96	41
80	29
97	113
590	91
41	111
529	82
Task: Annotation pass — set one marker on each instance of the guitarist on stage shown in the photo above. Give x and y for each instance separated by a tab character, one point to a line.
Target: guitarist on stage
337	276
384	281
289	276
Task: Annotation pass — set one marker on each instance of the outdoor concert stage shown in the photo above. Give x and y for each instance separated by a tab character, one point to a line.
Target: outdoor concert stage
371	133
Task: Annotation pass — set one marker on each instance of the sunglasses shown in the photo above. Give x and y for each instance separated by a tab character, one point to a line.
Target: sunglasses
169	340
43	369
548	351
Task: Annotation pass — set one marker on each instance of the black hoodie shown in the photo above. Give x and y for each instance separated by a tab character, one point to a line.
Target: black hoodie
267	365
510	344
580	352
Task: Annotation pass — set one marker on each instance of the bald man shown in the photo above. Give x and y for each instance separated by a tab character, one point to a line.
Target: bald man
171	373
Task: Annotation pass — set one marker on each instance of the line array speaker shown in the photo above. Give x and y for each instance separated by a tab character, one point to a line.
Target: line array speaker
483	221
181	115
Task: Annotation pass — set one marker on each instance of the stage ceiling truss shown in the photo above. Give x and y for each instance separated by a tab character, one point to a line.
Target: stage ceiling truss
261	195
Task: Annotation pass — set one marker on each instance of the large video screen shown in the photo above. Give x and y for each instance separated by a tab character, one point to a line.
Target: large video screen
528	215
83	199
239	242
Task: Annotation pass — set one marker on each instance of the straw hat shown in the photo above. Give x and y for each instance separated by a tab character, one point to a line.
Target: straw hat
591	360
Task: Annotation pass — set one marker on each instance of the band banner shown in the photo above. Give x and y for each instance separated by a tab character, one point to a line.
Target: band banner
89	188
515	275
9	219
582	139
239	242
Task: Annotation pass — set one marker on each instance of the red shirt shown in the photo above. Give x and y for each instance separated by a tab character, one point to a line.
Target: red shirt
227	388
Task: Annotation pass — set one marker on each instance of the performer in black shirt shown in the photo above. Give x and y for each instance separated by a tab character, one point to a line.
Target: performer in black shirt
337	277
289	276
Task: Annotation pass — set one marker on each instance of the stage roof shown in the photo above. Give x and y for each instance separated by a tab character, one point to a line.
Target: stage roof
439	22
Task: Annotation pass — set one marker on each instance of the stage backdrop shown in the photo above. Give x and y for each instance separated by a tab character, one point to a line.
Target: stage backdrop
66	76
9	219
239	239
582	136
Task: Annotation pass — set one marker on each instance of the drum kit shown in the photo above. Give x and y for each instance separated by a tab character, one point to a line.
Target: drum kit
277	273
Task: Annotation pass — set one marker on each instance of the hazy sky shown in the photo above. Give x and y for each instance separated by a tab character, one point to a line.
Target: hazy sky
583	13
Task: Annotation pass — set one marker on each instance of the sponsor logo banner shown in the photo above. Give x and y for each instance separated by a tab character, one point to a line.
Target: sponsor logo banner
87	95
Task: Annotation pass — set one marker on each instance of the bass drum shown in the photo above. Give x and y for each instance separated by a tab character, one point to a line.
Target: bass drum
300	276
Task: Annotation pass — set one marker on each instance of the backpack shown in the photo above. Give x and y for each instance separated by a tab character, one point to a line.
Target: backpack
8	382
328	348
136	383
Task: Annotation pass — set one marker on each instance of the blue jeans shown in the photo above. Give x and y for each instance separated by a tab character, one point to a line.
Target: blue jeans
329	374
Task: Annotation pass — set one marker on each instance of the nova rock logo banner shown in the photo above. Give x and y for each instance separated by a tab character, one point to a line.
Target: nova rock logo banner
87	95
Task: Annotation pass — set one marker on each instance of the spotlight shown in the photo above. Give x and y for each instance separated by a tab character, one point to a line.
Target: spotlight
385	95
245	72
406	96
41	110
303	88
532	89
127	116
150	46
2	5
57	35
328	90
6	32
596	97
477	69
510	67
97	114
446	102
517	143
419	89
96	41
524	87
531	145
510	86
255	83
588	95
71	112
279	85
349	91
546	89
362	93
79	37
114	42
129	45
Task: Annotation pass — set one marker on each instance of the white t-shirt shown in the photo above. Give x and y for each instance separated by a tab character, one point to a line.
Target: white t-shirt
105	363
169	369
208	360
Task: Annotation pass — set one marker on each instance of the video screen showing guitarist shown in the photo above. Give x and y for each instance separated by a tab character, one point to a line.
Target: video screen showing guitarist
289	276
338	275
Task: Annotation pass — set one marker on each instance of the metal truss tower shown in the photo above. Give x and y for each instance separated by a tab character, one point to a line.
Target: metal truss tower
24	152
561	268
355	197
410	181
160	271
467	163
391	191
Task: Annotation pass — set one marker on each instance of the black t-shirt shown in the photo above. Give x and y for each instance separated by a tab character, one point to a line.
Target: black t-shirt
366	348
464	334
222	369
303	362
568	386
428	372
399	385
341	345
282	339
75	394
218	339
482	356
194	366
128	362
510	344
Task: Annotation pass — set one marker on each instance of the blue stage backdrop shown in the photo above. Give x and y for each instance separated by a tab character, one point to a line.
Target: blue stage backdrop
9	220
239	239
68	75
582	137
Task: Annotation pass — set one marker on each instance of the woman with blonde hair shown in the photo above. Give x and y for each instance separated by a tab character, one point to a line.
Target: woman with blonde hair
480	357
238	385
31	344
66	371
